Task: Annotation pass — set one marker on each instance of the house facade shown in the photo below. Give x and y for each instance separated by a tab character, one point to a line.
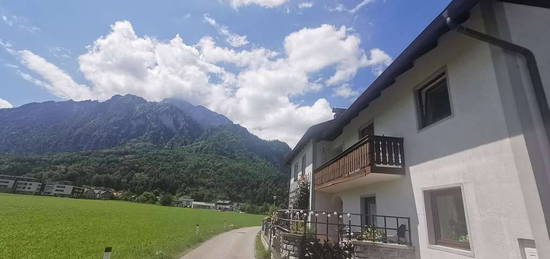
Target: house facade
452	137
6	183
60	188
19	184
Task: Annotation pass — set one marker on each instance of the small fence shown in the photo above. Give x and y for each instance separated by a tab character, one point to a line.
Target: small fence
338	226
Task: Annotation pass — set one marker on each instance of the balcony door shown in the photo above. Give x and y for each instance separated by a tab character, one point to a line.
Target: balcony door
369	209
366	131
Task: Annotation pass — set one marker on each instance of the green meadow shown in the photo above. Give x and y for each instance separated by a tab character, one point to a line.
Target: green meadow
50	227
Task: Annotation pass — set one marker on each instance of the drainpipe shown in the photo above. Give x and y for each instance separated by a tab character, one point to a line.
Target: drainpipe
527	54
534	75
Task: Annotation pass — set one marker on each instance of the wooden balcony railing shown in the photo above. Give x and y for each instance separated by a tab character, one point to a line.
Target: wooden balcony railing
372	154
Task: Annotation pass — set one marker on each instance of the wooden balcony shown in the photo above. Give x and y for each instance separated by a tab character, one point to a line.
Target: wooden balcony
372	159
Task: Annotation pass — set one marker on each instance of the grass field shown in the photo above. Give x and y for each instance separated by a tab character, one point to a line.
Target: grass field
49	227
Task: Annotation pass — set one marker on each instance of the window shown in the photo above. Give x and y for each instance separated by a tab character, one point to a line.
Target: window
433	101
303	165
369	209
446	218
295	173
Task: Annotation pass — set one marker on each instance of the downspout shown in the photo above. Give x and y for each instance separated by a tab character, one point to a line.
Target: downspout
529	57
534	75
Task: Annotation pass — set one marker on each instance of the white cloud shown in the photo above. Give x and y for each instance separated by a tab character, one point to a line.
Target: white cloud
19	22
8	47
60	52
345	91
342	8
233	39
60	84
263	3
305	5
259	95
379	60
5	104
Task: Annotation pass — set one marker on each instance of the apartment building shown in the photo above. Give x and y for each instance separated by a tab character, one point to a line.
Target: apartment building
452	138
60	188
6	182
19	184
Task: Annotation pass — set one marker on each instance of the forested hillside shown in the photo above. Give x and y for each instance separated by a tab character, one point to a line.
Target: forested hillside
127	143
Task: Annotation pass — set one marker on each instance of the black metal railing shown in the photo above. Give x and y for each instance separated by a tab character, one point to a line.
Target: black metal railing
341	226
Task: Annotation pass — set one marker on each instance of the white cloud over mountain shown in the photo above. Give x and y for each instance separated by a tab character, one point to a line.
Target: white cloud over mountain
5	104
259	95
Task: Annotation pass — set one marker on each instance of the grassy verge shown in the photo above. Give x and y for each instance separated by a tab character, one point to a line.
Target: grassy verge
49	227
261	252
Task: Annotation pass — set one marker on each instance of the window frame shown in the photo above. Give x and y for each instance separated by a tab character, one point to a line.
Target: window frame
432	219
426	85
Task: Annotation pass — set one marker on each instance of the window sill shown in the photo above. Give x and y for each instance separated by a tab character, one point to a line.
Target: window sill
452	250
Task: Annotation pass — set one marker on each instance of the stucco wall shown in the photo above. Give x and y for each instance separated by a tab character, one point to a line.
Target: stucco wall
471	149
307	150
526	26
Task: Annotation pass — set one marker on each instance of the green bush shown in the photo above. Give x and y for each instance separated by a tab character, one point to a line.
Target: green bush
314	249
147	197
166	200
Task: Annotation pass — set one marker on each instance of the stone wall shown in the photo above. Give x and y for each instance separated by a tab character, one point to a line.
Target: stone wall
290	245
373	250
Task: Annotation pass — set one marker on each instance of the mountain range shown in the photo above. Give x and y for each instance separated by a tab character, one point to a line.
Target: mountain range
47	139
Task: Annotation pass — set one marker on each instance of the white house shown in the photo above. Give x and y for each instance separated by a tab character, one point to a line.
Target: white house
203	205
19	184
453	136
27	185
224	205
60	188
6	182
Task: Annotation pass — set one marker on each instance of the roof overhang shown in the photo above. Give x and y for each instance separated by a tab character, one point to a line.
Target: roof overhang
458	10
427	40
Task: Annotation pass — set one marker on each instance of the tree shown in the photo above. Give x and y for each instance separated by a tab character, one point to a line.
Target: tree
166	199
302	196
147	197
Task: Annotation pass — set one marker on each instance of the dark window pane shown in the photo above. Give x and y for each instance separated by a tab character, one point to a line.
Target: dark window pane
434	102
437	103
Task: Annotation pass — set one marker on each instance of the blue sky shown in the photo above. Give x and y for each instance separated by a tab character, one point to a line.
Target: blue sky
274	66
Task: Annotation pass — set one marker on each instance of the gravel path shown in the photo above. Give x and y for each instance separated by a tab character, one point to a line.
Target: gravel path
234	244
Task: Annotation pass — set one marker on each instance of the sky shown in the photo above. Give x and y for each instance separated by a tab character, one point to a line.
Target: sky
274	66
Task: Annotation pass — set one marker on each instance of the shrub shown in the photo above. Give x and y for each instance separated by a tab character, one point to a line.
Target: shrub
314	249
166	200
147	197
302	195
